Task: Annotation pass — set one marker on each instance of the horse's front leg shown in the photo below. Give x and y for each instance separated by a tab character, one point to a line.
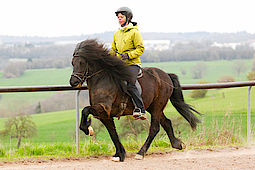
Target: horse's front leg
120	151
84	122
96	110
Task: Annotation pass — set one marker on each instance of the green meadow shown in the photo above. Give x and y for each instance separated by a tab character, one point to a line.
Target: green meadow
214	70
224	114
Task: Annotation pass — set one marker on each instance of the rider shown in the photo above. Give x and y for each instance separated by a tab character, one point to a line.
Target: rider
128	45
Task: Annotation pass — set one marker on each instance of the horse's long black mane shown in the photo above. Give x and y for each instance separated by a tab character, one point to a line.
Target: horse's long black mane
97	54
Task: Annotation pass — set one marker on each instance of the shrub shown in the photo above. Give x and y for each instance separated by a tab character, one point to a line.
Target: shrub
132	128
200	93
198	70
226	78
251	75
2	152
183	71
14	70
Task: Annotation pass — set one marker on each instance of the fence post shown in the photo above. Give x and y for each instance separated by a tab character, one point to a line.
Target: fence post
77	95
249	115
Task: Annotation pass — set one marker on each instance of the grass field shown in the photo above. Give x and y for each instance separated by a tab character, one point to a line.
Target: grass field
56	130
38	77
221	108
215	69
60	126
31	78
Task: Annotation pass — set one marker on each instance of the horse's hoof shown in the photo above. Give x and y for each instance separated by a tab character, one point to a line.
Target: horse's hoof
116	159
183	145
138	157
91	131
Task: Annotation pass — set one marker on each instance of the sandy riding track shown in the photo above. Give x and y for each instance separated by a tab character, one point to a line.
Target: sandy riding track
227	158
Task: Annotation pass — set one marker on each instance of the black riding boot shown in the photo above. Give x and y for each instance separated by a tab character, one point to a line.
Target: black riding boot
137	99
139	111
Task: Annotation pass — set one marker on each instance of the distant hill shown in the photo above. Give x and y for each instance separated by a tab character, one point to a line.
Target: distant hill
107	37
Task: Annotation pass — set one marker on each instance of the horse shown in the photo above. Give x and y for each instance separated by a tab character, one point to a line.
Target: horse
106	76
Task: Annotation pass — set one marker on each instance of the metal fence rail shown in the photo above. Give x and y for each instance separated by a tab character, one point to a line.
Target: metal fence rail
15	89
9	89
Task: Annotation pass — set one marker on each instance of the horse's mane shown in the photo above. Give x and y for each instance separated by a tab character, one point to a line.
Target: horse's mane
97	54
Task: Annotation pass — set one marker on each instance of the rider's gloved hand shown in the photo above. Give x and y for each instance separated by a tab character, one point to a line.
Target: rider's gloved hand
124	56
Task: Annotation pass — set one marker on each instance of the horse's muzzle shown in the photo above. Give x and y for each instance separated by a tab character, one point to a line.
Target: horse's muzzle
75	82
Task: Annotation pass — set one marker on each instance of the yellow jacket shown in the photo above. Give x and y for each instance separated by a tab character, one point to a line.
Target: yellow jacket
129	40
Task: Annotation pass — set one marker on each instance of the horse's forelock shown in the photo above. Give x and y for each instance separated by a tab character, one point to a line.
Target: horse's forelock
93	50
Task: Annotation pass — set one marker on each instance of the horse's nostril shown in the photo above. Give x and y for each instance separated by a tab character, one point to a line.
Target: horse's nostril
73	83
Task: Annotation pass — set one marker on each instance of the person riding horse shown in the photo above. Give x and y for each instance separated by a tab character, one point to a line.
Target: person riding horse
128	45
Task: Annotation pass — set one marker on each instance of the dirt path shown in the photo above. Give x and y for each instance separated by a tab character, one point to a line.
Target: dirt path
227	158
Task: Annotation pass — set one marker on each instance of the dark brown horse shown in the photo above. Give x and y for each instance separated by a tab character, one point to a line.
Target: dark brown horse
106	75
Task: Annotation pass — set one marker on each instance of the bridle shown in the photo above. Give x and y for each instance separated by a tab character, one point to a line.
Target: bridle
81	76
85	76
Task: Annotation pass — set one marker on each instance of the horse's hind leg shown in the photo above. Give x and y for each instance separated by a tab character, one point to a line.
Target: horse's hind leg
167	125
120	151
154	129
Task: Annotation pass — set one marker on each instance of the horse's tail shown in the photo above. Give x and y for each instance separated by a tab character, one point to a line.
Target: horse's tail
178	102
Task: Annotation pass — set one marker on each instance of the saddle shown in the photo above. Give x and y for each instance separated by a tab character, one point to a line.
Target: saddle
137	84
124	89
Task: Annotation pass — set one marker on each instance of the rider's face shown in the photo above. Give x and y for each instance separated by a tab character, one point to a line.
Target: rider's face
121	18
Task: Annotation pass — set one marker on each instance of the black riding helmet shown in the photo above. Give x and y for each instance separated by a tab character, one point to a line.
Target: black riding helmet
127	12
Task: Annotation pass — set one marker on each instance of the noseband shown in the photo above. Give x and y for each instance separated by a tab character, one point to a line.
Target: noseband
83	77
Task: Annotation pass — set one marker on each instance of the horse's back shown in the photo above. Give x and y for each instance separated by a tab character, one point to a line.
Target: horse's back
157	74
156	85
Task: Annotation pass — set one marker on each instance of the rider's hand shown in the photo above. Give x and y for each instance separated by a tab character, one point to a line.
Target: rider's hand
124	56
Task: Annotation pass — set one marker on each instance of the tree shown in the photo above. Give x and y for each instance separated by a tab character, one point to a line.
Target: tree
21	126
251	75
14	70
253	63
198	70
38	108
239	67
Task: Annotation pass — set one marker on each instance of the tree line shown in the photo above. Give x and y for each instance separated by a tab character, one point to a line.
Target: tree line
194	51
59	56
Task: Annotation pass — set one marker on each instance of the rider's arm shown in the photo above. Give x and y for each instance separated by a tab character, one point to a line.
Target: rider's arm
113	49
138	44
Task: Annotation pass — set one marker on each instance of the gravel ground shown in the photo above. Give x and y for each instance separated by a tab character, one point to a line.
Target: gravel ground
226	158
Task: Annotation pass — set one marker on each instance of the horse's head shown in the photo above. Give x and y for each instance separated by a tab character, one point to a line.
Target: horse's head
80	68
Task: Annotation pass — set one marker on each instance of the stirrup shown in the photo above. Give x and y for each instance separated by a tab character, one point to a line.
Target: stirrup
137	114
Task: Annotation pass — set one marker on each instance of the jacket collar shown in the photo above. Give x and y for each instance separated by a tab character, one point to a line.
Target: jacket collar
127	27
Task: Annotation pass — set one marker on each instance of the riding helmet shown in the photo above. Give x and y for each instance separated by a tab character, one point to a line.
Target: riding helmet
125	11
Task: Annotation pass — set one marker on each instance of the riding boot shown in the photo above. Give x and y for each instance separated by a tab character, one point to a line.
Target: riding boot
139	111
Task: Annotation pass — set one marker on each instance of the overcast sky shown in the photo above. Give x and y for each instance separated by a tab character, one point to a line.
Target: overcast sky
76	17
